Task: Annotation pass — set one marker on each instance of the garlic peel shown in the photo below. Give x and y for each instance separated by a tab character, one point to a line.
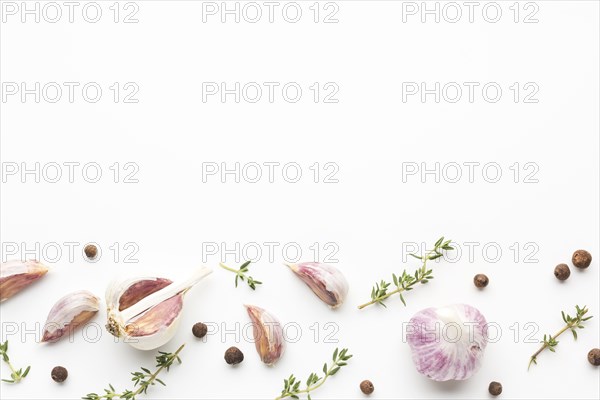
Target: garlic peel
68	313
268	334
326	281
16	275
448	343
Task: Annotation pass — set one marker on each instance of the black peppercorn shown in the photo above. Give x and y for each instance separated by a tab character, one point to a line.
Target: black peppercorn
90	251
367	387
59	374
481	280
562	272
594	357
234	356
199	330
582	259
495	388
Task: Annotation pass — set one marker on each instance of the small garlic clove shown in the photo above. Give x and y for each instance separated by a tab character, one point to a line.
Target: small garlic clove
16	275
268	334
71	311
146	311
325	280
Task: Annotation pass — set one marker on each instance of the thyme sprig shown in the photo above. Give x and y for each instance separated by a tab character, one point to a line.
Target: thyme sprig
406	281
572	323
17	375
291	385
142	379
240	274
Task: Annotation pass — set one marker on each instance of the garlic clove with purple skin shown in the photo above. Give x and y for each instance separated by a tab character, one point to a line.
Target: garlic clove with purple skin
70	312
325	280
268	334
16	275
146	311
447	343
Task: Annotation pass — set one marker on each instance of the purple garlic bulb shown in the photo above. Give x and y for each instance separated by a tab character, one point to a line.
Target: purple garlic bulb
447	343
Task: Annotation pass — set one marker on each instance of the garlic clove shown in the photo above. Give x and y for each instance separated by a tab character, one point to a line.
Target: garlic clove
268	334
146	311
447	343
150	322
325	280
16	275
71	311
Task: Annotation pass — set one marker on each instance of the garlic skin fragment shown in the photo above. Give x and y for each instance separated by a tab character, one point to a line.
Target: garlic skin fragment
16	275
70	312
325	280
447	343
146	311
268	334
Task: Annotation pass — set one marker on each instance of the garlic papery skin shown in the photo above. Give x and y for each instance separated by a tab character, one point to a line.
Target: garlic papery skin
268	334
70	312
447	343
325	280
146	311
16	275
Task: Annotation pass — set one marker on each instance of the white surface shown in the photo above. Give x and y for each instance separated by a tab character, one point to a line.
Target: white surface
369	214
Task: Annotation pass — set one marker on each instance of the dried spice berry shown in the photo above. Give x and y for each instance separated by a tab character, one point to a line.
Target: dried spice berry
594	357
562	272
234	356
495	388
59	374
367	387
199	330
91	251
481	280
582	259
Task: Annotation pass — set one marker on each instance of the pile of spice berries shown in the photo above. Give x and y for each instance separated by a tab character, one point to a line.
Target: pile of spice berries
581	259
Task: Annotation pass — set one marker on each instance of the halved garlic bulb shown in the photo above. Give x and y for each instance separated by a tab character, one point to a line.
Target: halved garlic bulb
146	311
268	334
447	343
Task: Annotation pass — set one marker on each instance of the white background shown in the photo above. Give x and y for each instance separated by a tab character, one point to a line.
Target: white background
371	214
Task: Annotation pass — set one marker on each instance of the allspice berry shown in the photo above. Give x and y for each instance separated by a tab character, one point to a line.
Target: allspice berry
594	357
481	280
495	388
367	387
59	374
582	259
199	330
91	251
562	272
234	356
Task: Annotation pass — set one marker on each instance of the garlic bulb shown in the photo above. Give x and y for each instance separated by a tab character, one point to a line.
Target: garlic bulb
16	275
146	311
268	334
447	343
325	280
70	312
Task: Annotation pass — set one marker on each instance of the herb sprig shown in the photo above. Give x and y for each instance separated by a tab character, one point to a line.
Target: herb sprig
142	379
405	282
17	375
572	323
291	385
240	274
